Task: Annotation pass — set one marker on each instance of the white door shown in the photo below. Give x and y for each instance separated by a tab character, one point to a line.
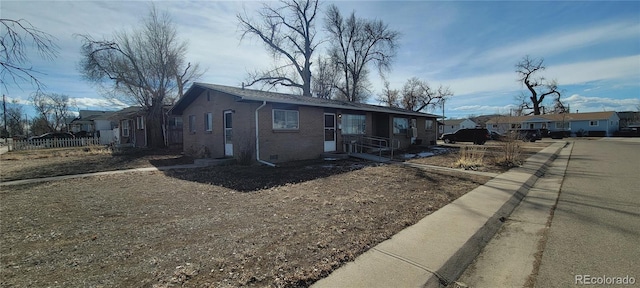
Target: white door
329	132
228	133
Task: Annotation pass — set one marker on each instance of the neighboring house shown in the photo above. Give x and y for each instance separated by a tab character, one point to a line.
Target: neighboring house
131	128
454	125
223	121
92	123
576	124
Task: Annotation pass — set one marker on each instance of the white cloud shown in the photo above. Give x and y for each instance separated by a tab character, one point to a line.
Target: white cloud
568	74
96	103
594	104
563	41
612	68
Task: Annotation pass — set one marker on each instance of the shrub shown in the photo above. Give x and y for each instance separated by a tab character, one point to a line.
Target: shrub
471	157
509	155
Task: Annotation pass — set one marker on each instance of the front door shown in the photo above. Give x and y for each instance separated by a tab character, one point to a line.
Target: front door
329	132
228	133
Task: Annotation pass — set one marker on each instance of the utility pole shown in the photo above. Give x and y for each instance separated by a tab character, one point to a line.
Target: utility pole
443	100
4	112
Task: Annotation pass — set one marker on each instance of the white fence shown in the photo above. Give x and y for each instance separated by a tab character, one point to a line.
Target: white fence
51	143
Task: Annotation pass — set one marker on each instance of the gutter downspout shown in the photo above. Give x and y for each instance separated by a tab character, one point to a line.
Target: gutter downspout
258	139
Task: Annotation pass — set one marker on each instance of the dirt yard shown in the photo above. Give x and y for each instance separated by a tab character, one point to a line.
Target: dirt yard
211	227
66	161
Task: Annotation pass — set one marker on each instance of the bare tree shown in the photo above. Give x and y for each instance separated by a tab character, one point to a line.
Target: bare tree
14	59
12	117
325	79
53	108
357	43
537	86
288	32
145	67
417	95
389	97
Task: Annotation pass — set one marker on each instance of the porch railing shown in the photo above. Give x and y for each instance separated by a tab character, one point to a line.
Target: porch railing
34	144
370	144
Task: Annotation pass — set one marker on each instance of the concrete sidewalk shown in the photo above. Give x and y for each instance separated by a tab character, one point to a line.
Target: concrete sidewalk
438	248
509	259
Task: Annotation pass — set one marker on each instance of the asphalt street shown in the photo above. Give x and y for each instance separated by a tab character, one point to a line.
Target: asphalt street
594	236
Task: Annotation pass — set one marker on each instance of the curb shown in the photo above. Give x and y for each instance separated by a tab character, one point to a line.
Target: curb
438	248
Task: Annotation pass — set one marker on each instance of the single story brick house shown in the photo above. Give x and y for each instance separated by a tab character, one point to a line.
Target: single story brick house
223	121
575	124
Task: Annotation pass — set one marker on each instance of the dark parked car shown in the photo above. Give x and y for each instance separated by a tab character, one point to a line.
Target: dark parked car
497	136
475	135
61	135
528	135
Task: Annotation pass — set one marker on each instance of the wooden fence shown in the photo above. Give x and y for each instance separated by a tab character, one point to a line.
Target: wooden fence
51	143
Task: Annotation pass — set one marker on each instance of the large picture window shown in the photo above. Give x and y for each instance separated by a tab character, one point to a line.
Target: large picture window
353	124
559	125
400	125
285	119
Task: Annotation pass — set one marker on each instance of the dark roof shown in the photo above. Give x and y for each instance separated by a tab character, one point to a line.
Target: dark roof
244	94
553	117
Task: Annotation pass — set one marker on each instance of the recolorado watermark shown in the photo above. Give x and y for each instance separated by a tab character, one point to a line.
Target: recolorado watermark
604	280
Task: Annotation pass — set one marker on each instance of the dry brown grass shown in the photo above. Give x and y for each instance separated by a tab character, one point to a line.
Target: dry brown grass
471	157
57	152
509	154
228	226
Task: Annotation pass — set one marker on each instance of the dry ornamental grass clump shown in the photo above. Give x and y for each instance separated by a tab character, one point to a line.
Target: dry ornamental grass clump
471	157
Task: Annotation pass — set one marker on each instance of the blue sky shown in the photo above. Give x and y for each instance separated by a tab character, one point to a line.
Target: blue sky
591	48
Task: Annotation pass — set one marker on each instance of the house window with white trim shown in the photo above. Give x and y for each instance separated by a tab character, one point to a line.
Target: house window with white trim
593	123
192	123
559	125
353	124
400	125
516	126
140	123
285	119
208	122
125	128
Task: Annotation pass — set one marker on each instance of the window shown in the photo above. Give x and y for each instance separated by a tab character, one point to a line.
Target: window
208	122
593	123
428	124
285	119
125	128
176	122
400	125
516	126
353	124
192	123
140	123
494	125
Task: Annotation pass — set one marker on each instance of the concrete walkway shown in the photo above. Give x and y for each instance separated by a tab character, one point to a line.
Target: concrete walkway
438	248
510	258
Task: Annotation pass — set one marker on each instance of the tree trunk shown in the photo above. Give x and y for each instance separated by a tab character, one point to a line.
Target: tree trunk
155	135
